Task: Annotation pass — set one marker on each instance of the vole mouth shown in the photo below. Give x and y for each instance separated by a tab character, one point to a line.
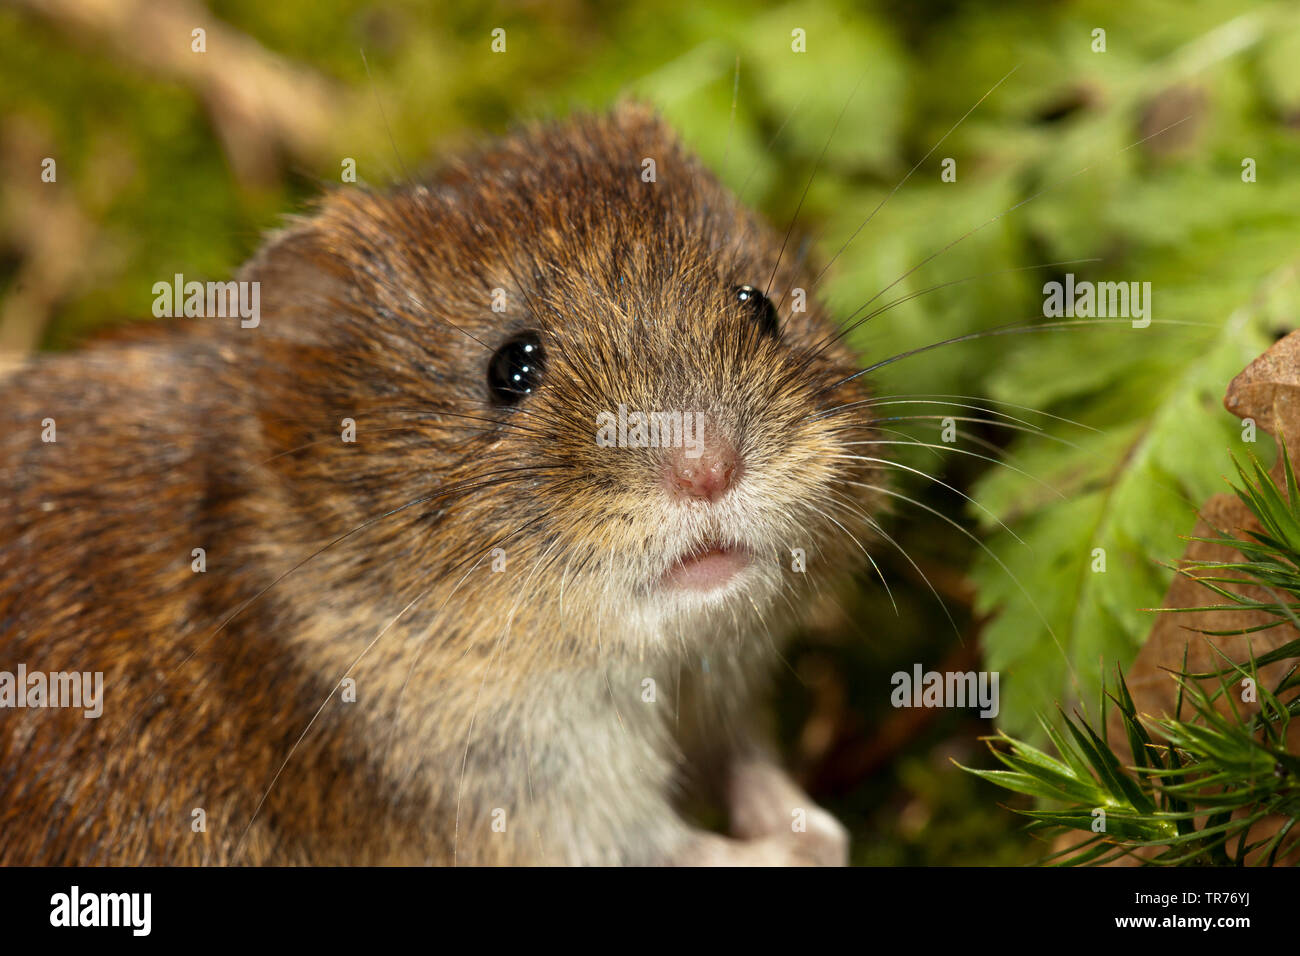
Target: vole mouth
710	566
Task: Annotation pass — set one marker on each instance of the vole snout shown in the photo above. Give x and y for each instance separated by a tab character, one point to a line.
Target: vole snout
705	475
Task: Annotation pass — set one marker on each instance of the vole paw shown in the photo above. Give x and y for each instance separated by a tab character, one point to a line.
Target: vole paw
824	843
767	806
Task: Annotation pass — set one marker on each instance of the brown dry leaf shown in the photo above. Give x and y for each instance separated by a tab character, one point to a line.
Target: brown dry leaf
1268	391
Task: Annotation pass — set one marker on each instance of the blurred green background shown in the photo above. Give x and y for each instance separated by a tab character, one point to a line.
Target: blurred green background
173	161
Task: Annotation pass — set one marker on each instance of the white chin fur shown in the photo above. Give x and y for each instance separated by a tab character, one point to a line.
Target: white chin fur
695	617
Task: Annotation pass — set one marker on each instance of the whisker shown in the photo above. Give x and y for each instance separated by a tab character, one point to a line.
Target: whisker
880	573
882	401
328	697
469	733
494	422
876	526
1046	189
992	423
849	325
427	412
989	551
939	399
1002	453
384	116
424	643
1013	329
795	218
941	483
906	439
332	543
335	438
919	164
740	196
962	451
731	122
402	293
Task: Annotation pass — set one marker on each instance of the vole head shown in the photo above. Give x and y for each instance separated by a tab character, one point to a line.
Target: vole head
582	351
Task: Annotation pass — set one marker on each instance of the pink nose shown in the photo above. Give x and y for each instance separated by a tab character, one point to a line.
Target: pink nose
706	476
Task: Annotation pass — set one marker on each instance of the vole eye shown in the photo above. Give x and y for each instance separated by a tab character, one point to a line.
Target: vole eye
516	368
758	307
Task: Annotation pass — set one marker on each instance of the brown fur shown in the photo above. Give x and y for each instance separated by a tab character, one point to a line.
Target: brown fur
518	691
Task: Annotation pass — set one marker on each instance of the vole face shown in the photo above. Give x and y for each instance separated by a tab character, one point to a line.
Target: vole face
675	407
648	368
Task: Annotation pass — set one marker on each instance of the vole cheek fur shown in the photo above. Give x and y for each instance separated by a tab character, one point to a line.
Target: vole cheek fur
517	671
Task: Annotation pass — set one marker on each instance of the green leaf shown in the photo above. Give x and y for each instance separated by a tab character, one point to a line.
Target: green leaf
1132	488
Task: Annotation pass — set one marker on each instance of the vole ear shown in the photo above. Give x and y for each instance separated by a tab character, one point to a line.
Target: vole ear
642	120
301	278
630	111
